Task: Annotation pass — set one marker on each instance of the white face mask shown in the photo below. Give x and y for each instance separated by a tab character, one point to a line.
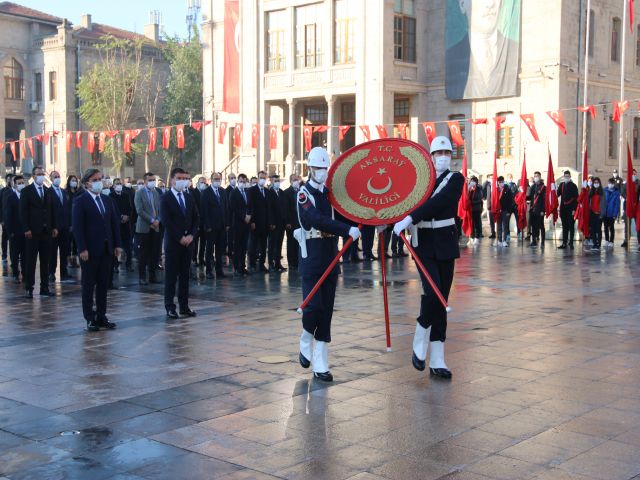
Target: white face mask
262	181
118	188
634	178
182	184
216	184
442	162
567	179
151	184
615	175
233	182
39	179
242	185
20	187
611	185
73	184
106	191
472	184
295	184
589	182
536	179
253	184
202	186
96	187
320	175
276	185
56	182
127	184
596	185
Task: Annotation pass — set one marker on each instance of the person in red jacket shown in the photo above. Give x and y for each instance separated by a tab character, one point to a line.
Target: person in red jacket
596	207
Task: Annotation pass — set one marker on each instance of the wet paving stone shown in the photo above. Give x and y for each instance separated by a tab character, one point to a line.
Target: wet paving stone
544	347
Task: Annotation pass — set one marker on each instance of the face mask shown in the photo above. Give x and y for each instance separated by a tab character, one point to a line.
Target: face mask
73	184
242	185
151	184
589	182
96	187
233	182
127	184
472	184
106	191
615	175
182	184
536	179
442	162
567	179
140	185
202	186
500	185
253	184
56	182
118	188
611	186
276	185
20	187
596	185
216	184
39	179
262	181
320	175
295	184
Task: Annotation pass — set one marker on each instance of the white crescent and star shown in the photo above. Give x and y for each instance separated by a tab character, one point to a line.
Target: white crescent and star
380	191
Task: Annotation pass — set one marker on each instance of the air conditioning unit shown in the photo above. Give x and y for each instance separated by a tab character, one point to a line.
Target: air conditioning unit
34	106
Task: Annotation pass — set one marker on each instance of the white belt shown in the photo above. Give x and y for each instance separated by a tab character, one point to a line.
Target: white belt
436	223
314	233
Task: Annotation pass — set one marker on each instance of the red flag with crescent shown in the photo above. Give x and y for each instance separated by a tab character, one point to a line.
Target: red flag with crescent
558	119
91	142
46	139
456	134
382	131
23	149
237	135
30	145
254	135
78	140
402	130
588	108
135	133
429	131
320	128
307	132
342	131
222	131
499	121
618	110
495	198
12	147
529	120
112	133
180	136
152	139
521	196
166	137
39	138
366	132
102	137
479	121
285	127
551	198
273	137
69	141
583	211
464	204
127	141
196	126
1	145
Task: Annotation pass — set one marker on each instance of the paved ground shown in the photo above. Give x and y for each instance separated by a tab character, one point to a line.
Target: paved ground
544	347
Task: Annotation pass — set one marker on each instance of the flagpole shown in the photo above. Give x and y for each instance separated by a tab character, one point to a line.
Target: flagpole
586	81
622	65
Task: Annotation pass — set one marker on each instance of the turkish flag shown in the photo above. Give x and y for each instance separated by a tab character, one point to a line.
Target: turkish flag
237	135
320	128
196	126
588	108
479	121
30	145
38	137
112	133
456	134
521	196
285	127
127	141
166	137
91	141
342	131
152	139
499	121
273	137
1	145
254	135
618	110
551	198
46	139
531	123
12	147
365	131
307	132
429	131
222	131
402	130
23	150
495	198
558	119
102	137
69	141
135	133
78	140
382	131
180	135
583	211
632	194
464	204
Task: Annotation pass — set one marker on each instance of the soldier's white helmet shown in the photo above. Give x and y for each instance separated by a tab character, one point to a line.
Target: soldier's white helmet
318	157
441	143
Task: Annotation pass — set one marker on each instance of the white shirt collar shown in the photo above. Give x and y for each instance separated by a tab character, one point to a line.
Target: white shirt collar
175	194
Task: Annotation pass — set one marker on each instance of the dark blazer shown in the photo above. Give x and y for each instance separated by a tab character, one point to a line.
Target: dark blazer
36	213
4	192
176	224
11	213
568	193
214	213
475	197
277	205
507	203
291	210
259	209
91	230
61	211
238	208
535	195
124	206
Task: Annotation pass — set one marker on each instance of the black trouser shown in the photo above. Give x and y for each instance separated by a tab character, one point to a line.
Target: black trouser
537	225
568	226
476	223
230	241
177	265
368	234
316	316
276	237
397	245
95	275
214	241
257	248
149	252
5	241
61	244
157	253
492	223
241	234
127	246
39	246
292	250
387	240
16	251
503	226
199	246
609	230
595	228
432	313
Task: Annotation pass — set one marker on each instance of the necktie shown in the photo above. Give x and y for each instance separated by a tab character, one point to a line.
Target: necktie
181	202
100	205
40	191
244	196
217	194
59	194
262	192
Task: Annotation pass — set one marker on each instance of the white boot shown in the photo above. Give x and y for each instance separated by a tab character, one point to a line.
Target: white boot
321	361
436	361
306	348
420	346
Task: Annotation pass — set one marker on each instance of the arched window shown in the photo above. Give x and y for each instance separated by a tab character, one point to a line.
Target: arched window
13	81
615	39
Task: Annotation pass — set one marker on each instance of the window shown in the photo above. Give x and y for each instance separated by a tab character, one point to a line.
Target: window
458	152
505	137
638	46
344	31
276	48
613	138
348	117
53	86
316	114
401	110
636	143
13	81
592	32
404	31
615	40
309	36
37	87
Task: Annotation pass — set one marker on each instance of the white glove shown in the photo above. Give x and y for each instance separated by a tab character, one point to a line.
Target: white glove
402	225
354	233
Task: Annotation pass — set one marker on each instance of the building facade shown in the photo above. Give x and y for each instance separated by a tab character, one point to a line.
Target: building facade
384	62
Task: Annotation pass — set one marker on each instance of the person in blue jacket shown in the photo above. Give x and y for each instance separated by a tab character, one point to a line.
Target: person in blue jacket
610	211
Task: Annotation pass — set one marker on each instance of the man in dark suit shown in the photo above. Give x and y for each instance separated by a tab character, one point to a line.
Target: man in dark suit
239	208
38	220
291	219
277	213
215	223
233	185
14	227
260	224
5	191
568	193
124	204
96	228
179	215
199	241
147	205
62	212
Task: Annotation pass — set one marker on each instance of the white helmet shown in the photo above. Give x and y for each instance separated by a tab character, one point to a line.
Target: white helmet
318	157
441	143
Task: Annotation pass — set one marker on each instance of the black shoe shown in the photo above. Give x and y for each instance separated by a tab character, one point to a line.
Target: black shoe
417	363
142	281
47	293
28	294
325	376
172	314
624	244
187	312
304	363
221	274
280	268
562	247
571	246
534	244
154	280
440	372
105	323
52	278
263	269
92	326
210	276
66	276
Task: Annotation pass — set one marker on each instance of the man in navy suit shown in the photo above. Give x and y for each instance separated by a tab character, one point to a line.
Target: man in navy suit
260	224
213	216
239	212
179	215
96	228
62	212
14	227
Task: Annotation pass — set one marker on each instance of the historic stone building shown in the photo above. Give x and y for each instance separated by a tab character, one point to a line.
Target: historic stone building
384	62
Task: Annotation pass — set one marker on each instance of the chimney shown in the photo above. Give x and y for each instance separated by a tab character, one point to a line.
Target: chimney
85	21
152	32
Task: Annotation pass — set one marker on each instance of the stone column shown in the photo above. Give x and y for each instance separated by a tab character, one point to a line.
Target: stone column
291	156
331	102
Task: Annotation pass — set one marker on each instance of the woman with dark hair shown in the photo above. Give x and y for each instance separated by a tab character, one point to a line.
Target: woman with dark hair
597	205
73	188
